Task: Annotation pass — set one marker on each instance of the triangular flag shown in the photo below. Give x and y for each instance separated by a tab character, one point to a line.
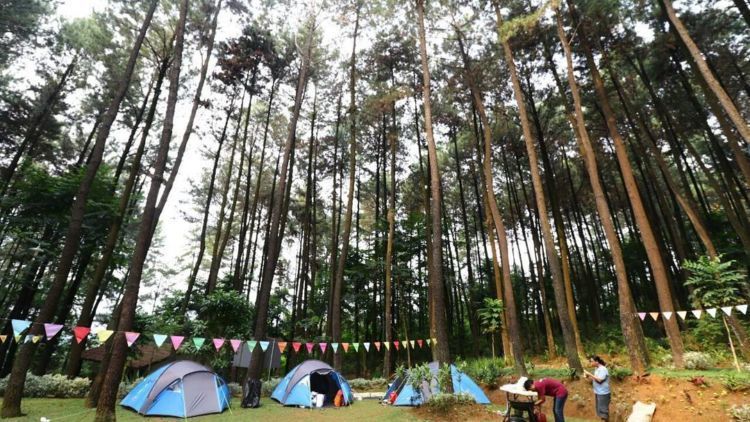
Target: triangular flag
405	343
29	338
434	341
19	326
387	345
131	337
35	339
356	347
51	330
396	343
429	342
81	333
367	346
682	314
198	342
176	341
322	347
335	347
218	342
18	338
235	344
697	313
345	346
296	345
727	310
642	315
159	339
2	338
742	308
309	347
420	343
104	335
377	345
654	315
263	345
667	315
282	346
251	345
411	342
712	312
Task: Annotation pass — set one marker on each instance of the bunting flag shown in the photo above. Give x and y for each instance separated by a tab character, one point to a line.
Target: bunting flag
309	346
387	345
396	343
2	339
642	315
51	330
159	339
356	347
411	343
131	337
263	345
29	338
742	308
429	342
367	346
667	315
345	346
682	314
198	342
19	326
405	343
218	343
104	335
235	344
712	312
377	345
18	338
282	346
81	333
434	341
420	343
335	347
322	347
697	313
251	345
35	339
296	345
727	310
176	341
654	315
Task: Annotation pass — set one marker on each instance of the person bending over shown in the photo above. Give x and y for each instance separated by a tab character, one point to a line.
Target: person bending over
549	387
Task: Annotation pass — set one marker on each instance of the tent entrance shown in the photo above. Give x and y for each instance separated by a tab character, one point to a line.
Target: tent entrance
326	384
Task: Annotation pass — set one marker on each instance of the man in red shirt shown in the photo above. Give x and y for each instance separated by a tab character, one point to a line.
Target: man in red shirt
549	387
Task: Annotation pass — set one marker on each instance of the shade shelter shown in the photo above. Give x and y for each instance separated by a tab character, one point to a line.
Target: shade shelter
181	389
311	376
408	396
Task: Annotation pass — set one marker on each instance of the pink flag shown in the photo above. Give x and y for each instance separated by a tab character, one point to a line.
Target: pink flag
176	341
51	330
81	333
296	345
323	346
419	342
642	315
218	342
131	337
235	344
310	346
345	346
396	343
377	345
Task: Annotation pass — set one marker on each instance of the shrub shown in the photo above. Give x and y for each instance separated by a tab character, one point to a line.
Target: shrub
52	386
486	371
737	382
698	360
269	386
442	402
740	413
362	384
620	373
235	389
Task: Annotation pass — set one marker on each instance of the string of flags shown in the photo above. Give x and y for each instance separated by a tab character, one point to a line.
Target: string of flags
82	333
697	313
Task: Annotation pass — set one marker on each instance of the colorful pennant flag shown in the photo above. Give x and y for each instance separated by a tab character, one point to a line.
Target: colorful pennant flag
387	345
667	315
367	346
19	326
251	345
35	339
712	312
355	346
51	330
104	335
198	342
642	315
396	343
218	343
176	341
682	314
131	337
420	343
654	315
296	345
28	338
263	345
159	339
434	341
377	345
742	308
310	346
235	344
411	343
727	310
282	346
345	346
2	338
429	342
335	347
697	313
81	333
322	347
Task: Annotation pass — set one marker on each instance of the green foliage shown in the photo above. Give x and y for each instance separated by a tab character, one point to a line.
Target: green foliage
268	386
737	382
401	371
698	360
619	372
442	403
444	377
715	283
486	370
491	314
375	384
51	386
418	375
740	413
525	23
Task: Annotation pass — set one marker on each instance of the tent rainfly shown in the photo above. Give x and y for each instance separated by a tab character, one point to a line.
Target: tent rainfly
311	376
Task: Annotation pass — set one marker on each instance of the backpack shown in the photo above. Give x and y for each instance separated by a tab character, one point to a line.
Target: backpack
338	401
251	398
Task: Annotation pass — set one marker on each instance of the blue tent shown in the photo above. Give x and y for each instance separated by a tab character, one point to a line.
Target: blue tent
462	383
182	389
311	376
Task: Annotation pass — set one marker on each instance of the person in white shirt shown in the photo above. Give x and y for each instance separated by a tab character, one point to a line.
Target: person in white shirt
600	382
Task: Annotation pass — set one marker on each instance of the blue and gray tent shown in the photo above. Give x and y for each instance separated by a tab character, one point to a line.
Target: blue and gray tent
407	396
181	389
311	376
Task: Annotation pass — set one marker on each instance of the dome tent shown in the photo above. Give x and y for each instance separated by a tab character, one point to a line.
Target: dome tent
462	383
311	376
181	389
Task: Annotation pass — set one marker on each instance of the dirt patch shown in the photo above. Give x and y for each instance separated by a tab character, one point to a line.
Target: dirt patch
464	412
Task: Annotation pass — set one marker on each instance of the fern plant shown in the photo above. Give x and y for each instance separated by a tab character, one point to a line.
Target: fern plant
490	316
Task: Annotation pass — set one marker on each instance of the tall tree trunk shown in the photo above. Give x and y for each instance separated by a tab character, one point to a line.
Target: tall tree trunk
393	142
14	390
105	410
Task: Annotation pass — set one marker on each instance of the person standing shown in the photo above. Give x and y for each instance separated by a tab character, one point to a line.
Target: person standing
600	382
552	388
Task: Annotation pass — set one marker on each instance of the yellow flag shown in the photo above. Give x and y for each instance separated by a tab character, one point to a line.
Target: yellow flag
387	345
104	335
36	339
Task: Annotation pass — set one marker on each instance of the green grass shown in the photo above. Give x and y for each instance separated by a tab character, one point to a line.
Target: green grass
715	374
367	410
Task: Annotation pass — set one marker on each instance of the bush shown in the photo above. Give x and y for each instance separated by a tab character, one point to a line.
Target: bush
486	371
620	373
269	386
235	389
740	413
361	384
698	360
737	382
443	402
52	386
